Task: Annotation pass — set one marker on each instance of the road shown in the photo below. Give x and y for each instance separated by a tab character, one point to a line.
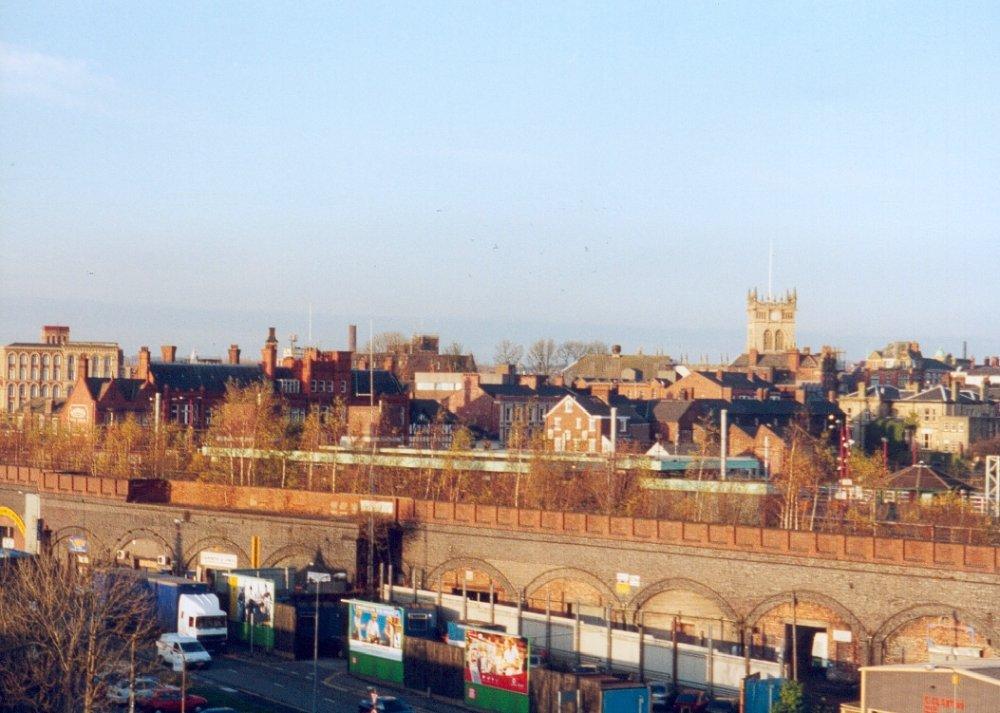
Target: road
289	683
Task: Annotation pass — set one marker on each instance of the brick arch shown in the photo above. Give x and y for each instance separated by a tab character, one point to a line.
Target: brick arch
95	542
144	533
214	540
279	555
686	585
901	618
806	595
459	563
572	574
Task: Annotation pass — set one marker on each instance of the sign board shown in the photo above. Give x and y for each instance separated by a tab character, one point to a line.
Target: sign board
77	544
251	600
218	560
375	640
496	670
843	635
379	507
318	577
7	543
377	630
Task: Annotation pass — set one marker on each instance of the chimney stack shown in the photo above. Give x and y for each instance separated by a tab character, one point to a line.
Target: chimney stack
234	353
984	386
352	338
83	367
168	352
862	388
269	354
143	370
954	390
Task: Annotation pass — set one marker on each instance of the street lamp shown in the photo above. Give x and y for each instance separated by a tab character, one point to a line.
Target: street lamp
317	578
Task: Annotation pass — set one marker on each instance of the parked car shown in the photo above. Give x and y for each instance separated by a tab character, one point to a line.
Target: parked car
178	650
385	704
660	697
587	669
691	702
219	710
118	691
723	705
168	700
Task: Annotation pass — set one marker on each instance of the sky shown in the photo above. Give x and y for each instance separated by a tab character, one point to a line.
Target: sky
192	173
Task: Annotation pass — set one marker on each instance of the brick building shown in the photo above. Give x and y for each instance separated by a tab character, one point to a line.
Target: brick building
718	384
47	369
584	423
421	354
105	400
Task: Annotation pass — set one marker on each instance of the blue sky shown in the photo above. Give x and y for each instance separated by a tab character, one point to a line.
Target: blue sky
193	173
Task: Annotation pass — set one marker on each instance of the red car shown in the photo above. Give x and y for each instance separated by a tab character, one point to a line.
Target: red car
168	700
691	702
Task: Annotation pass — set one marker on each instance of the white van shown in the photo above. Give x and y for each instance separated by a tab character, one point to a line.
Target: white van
178	651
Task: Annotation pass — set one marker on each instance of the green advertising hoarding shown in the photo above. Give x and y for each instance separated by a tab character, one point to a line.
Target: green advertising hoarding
251	610
375	644
496	671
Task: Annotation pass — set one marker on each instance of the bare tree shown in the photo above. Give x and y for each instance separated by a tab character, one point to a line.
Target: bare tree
573	350
542	357
387	342
65	631
454	349
508	352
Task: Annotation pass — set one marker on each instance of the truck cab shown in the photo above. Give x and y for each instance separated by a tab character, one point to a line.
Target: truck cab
199	616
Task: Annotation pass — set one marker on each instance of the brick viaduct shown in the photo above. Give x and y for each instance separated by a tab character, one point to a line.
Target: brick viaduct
893	595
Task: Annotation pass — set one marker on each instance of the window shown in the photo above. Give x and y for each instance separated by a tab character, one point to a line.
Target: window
71	368
34	360
579	422
11	360
45	391
56	392
568	406
34	391
107	366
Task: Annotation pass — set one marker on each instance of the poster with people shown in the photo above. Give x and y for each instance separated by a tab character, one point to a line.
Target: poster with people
376	629
251	600
496	660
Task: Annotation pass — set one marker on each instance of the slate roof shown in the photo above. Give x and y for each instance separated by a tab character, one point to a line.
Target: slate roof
544	391
940	394
213	377
777	361
609	367
734	379
385	383
922	478
424	411
671	410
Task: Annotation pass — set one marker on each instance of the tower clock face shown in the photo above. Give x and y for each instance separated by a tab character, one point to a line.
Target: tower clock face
775	314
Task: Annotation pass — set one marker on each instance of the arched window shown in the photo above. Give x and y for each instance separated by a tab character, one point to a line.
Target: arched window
56	392
107	366
768	341
23	373
46	360
11	360
779	341
34	372
34	391
57	360
24	359
22	391
71	367
10	392
45	391
95	365
34	360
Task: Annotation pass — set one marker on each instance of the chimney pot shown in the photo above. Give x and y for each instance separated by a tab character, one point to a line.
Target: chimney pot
234	353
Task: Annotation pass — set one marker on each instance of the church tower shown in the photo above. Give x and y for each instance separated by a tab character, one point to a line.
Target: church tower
771	323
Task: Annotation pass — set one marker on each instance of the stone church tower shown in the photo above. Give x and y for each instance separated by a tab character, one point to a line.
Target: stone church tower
770	323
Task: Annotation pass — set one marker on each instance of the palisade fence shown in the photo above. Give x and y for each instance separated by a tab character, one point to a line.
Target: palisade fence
589	639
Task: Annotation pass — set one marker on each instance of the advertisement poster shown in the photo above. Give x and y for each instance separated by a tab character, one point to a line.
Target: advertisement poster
376	630
496	660
251	600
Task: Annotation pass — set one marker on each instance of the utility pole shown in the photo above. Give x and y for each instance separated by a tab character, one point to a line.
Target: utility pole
317	578
371	463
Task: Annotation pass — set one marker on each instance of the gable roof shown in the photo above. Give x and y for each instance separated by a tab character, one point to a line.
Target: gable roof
212	377
544	391
734	379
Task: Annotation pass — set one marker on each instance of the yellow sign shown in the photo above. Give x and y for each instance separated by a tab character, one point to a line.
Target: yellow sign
10	514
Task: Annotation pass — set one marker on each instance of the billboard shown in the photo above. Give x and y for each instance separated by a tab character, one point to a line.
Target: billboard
251	600
375	640
377	630
496	670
